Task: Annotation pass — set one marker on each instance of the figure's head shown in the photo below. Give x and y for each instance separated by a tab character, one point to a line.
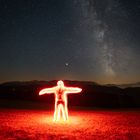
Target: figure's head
60	83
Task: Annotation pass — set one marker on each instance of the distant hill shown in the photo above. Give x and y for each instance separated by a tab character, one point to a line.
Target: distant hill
130	85
93	94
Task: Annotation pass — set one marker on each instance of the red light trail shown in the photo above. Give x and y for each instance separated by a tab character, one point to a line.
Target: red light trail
60	92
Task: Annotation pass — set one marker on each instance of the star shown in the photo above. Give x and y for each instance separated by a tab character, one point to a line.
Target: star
66	64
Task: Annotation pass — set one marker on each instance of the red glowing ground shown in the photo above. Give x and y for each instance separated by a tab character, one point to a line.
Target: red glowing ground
82	125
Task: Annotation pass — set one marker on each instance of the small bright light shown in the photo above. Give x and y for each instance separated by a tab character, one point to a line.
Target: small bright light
67	64
60	91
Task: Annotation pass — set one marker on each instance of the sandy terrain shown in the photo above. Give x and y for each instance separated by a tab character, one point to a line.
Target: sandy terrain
82	125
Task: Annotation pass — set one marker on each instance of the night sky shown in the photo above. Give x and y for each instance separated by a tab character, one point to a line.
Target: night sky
90	40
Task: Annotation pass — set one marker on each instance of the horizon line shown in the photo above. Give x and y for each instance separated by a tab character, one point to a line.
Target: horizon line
10	81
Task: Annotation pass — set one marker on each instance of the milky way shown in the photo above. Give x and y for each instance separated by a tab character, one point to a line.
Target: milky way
105	23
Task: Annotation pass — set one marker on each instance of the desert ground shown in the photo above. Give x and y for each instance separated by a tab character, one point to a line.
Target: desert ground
29	124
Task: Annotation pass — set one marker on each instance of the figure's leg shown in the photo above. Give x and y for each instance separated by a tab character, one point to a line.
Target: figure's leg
59	112
66	111
55	112
63	113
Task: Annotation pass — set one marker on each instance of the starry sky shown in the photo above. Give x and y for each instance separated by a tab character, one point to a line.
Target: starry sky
89	40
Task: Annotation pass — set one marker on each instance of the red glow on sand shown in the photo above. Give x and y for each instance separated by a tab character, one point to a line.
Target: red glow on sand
60	92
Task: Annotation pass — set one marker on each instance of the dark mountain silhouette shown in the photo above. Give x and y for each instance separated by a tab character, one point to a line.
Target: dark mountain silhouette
93	94
137	84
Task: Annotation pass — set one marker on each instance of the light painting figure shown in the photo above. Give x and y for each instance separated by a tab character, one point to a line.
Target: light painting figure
60	92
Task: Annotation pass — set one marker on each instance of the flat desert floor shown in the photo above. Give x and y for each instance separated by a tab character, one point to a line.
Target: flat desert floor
17	124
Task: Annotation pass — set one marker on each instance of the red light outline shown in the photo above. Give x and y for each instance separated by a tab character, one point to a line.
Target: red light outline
60	92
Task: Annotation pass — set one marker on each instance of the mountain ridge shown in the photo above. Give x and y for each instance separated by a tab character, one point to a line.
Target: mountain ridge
135	84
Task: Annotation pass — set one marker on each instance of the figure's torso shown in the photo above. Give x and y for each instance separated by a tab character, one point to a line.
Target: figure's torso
60	94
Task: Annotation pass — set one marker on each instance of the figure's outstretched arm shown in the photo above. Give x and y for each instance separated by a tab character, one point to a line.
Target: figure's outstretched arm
73	90
47	91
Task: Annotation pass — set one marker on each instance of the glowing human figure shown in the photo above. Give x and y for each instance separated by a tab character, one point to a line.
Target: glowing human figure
60	92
